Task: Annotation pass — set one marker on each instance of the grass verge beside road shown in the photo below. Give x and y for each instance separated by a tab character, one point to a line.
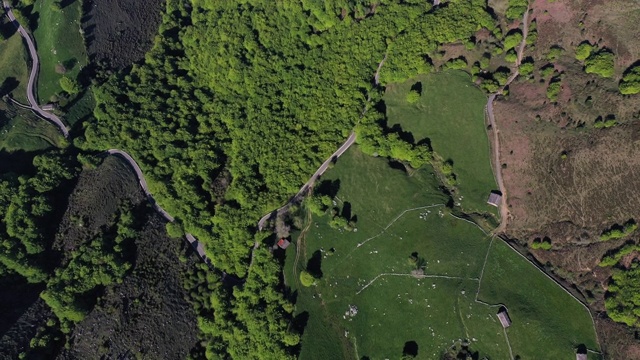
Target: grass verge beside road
20	129
14	73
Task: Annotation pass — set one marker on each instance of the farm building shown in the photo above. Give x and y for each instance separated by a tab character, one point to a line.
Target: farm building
503	316
283	243
494	198
48	107
581	356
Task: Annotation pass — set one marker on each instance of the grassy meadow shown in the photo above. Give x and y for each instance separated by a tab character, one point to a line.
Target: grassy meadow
13	66
397	215
543	314
450	113
59	42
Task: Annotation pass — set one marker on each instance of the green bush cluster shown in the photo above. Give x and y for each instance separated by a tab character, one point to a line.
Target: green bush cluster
306	279
615	257
516	9
618	232
541	244
630	83
69	85
512	40
413	97
459	63
553	90
622	301
605	123
601	63
584	50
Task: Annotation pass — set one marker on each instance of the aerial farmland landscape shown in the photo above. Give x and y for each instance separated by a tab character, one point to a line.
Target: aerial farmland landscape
306	179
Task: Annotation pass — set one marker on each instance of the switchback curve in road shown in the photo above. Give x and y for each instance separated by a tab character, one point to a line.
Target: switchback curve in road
325	165
33	75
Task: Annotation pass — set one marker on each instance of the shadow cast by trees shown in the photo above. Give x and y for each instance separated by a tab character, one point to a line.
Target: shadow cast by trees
8	85
314	265
410	349
328	187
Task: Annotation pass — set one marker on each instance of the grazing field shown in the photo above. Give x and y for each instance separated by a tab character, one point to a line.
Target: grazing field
13	67
450	113
60	45
541	311
399	216
20	129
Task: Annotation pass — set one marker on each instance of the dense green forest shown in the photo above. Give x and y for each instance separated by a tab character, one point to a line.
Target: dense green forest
259	94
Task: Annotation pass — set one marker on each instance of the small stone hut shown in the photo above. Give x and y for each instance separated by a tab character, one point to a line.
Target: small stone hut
494	198
503	316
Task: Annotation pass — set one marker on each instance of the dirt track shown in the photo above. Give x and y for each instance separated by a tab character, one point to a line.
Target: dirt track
504	210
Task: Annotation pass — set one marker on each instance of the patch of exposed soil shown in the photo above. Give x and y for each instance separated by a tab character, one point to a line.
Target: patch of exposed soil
120	32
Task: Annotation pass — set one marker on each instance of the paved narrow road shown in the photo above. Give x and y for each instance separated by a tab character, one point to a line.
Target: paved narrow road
497	167
35	65
141	181
303	190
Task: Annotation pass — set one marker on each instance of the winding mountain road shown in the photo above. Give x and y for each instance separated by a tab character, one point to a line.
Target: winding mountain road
497	168
33	76
141	181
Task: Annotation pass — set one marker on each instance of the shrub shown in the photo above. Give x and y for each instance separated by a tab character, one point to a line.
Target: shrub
174	230
413	97
630	83
553	90
485	60
603	124
544	244
526	68
583	51
512	40
69	85
618	232
306	279
516	9
554	53
547	70
511	56
600	63
456	64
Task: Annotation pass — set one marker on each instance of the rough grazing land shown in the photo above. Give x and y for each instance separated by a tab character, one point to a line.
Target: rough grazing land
567	180
398	215
120	32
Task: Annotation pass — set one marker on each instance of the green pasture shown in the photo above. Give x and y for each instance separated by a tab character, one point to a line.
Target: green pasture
22	130
547	322
370	268
449	112
59	41
13	66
